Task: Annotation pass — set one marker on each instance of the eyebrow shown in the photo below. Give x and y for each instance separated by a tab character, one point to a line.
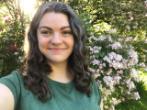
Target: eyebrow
65	27
62	28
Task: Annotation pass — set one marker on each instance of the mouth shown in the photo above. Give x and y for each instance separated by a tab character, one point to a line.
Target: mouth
56	50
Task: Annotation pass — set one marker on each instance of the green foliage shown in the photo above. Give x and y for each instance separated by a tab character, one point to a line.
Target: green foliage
136	105
11	38
127	17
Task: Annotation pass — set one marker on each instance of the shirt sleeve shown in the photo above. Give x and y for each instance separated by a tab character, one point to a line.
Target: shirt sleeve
12	81
96	91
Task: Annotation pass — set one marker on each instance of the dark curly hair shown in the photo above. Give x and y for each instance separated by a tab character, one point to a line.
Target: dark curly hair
36	65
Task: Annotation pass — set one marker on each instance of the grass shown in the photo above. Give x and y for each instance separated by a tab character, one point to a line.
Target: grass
140	104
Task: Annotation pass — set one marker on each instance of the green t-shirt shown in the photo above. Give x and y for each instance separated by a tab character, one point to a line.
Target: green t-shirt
64	96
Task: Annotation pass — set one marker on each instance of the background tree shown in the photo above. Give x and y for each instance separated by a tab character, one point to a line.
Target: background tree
128	18
11	36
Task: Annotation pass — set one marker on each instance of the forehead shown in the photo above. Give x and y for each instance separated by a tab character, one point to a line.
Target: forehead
54	19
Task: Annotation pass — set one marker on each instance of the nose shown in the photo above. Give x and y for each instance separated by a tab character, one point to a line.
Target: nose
56	39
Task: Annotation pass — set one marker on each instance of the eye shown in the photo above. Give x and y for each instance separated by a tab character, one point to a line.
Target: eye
45	32
67	33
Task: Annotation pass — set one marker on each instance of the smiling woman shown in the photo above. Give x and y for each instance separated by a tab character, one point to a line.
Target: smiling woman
55	74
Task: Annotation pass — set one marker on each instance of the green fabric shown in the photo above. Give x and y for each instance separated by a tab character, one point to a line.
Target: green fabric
65	96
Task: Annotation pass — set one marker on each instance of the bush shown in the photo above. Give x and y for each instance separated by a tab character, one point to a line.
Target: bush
114	62
11	38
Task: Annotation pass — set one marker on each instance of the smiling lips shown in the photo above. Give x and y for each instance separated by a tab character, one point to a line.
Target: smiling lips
56	50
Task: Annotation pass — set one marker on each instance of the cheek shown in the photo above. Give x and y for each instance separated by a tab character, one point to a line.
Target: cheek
43	43
71	42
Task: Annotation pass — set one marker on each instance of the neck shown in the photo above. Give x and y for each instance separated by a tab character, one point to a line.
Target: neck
60	73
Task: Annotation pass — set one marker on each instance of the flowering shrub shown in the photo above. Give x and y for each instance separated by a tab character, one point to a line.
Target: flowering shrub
11	50
11	37
114	61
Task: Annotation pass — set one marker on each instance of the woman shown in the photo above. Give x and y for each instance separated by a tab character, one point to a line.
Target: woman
55	75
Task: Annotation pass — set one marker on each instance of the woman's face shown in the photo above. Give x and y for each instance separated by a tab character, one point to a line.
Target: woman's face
55	38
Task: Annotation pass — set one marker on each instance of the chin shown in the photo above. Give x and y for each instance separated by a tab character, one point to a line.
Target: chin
57	60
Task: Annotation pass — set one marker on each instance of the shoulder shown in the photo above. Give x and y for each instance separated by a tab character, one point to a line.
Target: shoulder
96	90
7	89
7	98
11	80
11	85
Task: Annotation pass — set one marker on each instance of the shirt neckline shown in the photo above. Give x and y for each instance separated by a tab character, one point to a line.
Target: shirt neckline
61	84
